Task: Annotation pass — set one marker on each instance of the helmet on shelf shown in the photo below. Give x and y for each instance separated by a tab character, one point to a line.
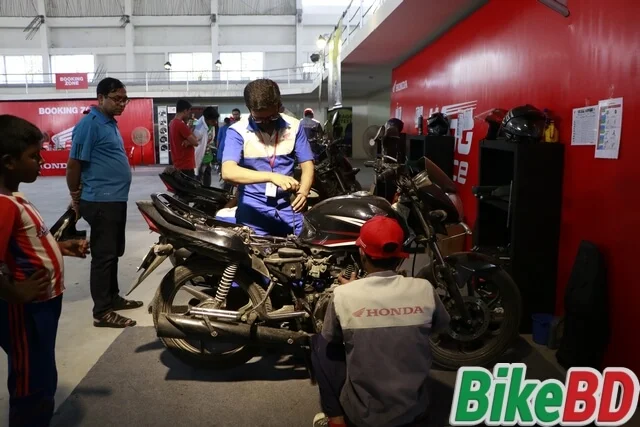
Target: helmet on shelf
525	123
438	125
494	119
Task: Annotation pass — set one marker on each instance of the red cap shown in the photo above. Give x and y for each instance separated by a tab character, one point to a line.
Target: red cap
308	110
382	237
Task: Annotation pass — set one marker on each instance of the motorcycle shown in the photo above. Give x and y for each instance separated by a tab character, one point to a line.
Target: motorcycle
245	291
334	174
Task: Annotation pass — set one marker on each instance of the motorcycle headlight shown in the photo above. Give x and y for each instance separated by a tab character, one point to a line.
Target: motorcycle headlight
457	202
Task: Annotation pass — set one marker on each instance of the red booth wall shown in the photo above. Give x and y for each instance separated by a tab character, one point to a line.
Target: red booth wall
57	119
510	53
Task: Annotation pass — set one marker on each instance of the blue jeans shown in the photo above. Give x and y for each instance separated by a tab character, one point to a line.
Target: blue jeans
28	336
275	218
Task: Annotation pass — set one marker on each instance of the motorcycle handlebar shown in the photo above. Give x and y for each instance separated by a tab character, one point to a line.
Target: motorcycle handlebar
388	174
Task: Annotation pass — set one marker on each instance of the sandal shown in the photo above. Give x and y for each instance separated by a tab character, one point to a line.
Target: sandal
126	304
113	320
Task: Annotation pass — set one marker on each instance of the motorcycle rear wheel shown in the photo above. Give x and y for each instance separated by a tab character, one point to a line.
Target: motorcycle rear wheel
183	350
486	355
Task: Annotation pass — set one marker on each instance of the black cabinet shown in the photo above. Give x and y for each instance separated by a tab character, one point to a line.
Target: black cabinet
438	149
523	226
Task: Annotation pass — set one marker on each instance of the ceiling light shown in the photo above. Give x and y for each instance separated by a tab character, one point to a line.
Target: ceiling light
321	42
167	65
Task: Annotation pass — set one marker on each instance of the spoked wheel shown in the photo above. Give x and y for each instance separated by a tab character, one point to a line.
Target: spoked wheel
495	309
188	286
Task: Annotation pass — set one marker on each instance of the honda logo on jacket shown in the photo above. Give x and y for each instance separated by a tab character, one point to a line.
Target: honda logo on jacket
396	311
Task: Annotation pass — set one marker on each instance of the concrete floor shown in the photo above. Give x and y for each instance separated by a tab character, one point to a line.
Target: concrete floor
79	344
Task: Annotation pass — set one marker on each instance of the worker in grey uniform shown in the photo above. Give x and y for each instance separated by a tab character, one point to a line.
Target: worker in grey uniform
372	359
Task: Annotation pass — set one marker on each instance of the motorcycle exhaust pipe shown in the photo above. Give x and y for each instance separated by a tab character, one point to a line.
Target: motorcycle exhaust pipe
182	327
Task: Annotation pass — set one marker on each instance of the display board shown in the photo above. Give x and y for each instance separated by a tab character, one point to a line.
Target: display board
56	119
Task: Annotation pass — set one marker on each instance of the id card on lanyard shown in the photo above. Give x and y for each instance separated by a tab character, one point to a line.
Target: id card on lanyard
271	190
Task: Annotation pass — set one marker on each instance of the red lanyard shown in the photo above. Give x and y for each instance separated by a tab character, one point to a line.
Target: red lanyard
272	161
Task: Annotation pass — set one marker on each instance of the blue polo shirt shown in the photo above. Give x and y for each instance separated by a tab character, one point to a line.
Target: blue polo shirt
98	144
250	149
222	133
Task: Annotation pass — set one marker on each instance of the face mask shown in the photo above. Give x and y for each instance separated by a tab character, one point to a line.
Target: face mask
266	127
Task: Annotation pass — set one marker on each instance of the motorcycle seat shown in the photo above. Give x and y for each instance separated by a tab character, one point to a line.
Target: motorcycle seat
211	193
163	207
220	242
182	183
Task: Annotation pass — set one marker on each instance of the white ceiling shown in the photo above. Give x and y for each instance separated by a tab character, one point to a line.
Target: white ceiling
97	8
412	26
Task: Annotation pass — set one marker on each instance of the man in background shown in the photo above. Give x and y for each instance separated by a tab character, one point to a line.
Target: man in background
235	115
222	133
182	141
205	130
311	126
99	179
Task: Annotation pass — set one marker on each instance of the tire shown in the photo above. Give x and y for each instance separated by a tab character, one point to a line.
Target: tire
487	355
181	349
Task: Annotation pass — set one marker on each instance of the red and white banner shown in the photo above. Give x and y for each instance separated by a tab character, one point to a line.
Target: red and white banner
72	81
56	119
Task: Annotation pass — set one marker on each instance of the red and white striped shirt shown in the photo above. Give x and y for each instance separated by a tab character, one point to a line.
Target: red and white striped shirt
26	245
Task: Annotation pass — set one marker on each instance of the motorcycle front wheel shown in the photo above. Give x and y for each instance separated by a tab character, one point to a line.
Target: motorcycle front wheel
204	276
498	304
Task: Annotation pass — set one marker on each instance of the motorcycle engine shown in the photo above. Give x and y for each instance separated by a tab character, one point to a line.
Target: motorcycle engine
288	262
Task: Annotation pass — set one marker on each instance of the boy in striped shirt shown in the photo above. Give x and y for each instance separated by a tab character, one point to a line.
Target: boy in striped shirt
31	279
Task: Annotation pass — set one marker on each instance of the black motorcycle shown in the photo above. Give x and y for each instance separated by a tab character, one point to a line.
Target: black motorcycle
334	173
243	291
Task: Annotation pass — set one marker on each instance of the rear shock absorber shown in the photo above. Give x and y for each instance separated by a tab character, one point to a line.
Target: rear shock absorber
225	283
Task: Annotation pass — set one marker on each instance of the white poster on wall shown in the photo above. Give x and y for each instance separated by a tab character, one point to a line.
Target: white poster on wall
398	112
584	128
419	111
609	128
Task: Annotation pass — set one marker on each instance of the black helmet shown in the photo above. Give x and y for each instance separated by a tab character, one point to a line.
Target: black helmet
395	123
438	125
495	118
523	124
65	227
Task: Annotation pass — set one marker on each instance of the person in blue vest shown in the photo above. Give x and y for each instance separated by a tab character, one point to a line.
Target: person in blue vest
222	133
259	156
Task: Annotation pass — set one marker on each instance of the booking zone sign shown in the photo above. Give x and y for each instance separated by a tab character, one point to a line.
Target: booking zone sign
505	397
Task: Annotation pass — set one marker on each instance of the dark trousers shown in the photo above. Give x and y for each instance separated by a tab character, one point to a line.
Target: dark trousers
28	336
330	368
204	174
108	221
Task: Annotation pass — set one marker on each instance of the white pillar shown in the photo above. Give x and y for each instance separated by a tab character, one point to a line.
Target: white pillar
129	39
44	43
299	42
215	39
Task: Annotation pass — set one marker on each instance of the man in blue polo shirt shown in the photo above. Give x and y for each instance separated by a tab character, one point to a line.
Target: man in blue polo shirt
99	178
259	156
